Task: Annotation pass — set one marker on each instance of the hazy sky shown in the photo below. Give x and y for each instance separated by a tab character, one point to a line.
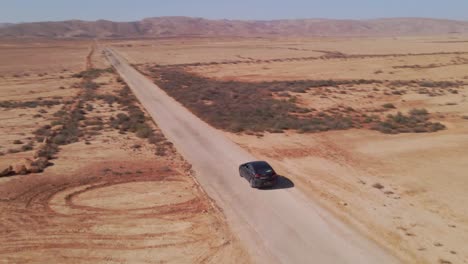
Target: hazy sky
125	10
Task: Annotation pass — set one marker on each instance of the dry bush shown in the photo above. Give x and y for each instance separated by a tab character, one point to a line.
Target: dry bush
29	104
251	107
17	142
378	186
388	106
48	151
27	147
417	121
92	73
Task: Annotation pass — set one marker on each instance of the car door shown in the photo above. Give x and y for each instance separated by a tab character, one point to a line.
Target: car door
250	171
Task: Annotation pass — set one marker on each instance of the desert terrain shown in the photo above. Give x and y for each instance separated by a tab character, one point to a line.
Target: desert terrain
89	177
375	129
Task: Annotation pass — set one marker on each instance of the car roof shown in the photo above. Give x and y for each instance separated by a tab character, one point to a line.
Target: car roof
259	163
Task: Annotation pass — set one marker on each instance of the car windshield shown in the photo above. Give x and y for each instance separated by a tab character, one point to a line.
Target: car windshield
262	168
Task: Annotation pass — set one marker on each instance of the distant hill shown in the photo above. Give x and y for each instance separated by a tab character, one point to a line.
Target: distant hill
5	25
187	26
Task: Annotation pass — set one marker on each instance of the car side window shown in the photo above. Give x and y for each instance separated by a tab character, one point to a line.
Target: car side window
250	167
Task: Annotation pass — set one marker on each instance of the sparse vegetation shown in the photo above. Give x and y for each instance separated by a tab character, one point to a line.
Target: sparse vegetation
389	106
243	107
251	107
378	186
29	104
17	142
134	120
417	121
48	151
92	73
27	147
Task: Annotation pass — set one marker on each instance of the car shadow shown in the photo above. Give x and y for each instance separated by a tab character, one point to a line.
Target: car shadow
283	183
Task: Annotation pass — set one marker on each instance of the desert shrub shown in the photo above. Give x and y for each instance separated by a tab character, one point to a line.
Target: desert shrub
17	142
433	127
43	131
378	186
89	107
90	85
160	151
143	131
93	122
397	92
121	118
428	84
156	139
48	151
60	139
108	98
13	151
417	121
27	147
92	73
28	104
56	123
418	112
136	146
389	106
284	94
60	113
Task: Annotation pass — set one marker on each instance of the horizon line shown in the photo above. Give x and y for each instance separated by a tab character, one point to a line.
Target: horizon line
230	19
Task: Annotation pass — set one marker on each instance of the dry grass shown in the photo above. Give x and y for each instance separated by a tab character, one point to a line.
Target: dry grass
254	107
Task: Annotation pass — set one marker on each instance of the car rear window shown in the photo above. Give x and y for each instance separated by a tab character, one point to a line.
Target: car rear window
262	168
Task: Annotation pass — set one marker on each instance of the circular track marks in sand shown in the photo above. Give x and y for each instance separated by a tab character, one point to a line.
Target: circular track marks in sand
146	218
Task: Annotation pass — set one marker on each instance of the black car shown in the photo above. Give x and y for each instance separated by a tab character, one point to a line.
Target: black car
259	174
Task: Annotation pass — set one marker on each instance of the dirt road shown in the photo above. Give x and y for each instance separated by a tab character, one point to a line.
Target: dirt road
277	226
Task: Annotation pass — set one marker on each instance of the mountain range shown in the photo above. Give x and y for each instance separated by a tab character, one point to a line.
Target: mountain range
188	26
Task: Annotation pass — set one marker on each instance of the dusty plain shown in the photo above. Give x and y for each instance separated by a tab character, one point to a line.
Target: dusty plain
115	190
406	191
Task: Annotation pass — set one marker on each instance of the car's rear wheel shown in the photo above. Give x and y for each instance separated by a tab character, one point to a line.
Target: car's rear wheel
252	183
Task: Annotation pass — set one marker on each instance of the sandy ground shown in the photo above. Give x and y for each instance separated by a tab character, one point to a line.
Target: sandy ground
112	205
106	199
419	210
277	225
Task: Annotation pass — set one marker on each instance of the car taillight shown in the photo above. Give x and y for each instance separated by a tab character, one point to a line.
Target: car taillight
257	175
